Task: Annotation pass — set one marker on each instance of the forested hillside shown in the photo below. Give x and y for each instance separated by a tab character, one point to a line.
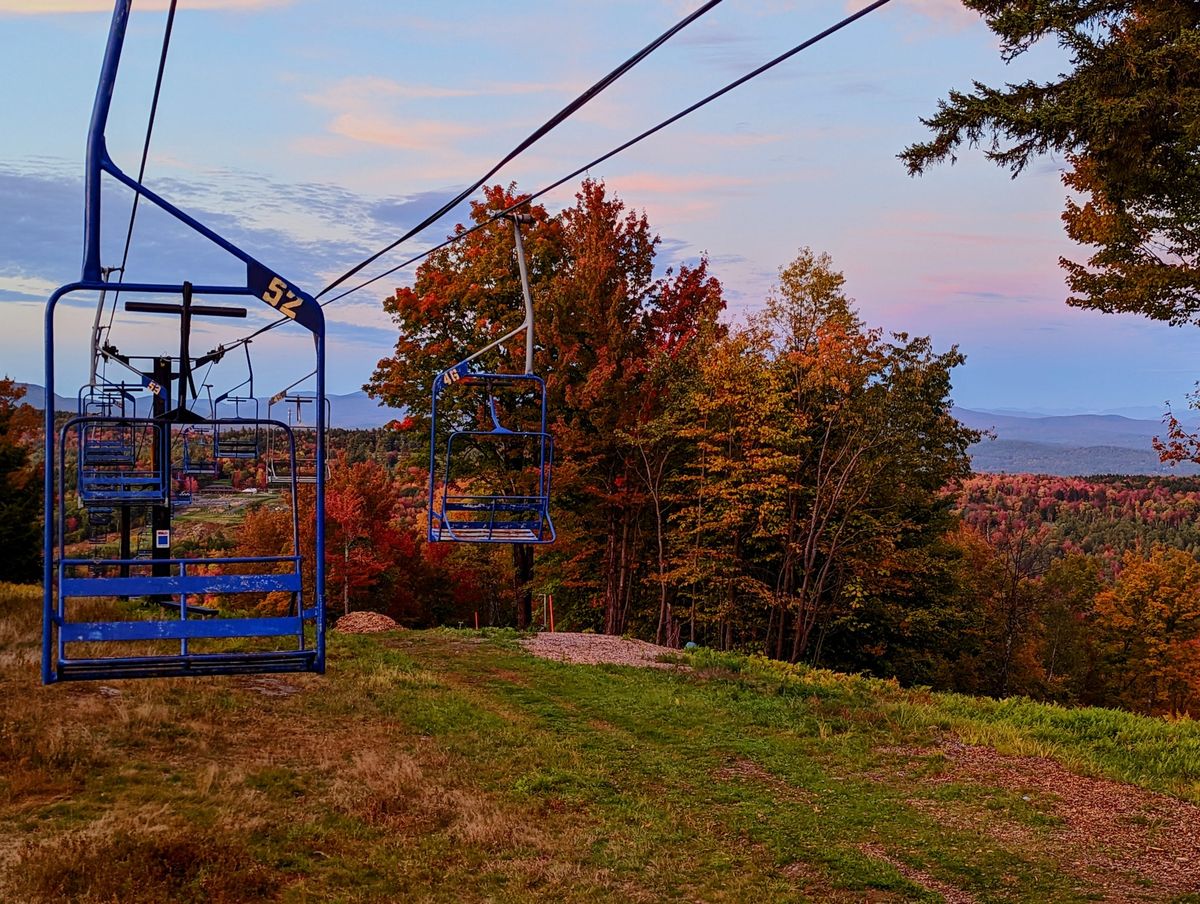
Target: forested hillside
796	485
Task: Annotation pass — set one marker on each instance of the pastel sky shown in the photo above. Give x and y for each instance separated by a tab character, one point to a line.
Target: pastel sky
313	133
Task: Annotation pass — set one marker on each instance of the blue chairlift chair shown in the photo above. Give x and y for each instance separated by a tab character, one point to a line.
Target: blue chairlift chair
77	643
297	411
518	509
108	440
106	479
238	435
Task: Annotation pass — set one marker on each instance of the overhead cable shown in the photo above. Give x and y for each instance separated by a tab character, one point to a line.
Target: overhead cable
623	147
771	64
540	132
162	66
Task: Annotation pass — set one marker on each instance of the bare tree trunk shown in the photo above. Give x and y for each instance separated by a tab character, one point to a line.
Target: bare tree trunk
523	583
611	600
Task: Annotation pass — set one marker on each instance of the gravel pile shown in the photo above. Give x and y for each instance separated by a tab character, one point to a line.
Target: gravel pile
364	623
594	649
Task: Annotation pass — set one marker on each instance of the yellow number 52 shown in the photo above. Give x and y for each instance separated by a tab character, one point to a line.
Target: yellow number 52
283	299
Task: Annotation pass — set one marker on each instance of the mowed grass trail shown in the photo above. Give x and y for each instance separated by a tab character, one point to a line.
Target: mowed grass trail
454	766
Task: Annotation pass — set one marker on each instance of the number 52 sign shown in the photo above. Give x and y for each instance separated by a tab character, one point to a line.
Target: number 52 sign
288	301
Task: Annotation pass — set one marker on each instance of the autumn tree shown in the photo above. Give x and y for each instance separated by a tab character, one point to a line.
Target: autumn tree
1125	115
683	331
603	315
1149	624
20	492
722	550
1070	586
819	442
870	425
362	540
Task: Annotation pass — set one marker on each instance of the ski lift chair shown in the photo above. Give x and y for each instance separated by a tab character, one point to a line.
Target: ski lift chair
238	435
301	464
504	513
497	513
108	440
105	479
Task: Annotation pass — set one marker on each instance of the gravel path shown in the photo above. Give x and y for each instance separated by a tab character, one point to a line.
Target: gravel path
364	623
595	649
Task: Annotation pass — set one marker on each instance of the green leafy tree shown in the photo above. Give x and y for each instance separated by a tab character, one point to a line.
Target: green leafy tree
1127	118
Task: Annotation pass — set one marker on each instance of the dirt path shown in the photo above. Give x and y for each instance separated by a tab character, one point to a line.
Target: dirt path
1127	843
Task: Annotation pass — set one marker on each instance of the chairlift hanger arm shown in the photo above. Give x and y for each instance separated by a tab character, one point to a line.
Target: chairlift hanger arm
461	369
261	281
249	381
279	396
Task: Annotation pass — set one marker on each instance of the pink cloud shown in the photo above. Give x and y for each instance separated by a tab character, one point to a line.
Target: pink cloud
409	134
660	184
360	91
950	13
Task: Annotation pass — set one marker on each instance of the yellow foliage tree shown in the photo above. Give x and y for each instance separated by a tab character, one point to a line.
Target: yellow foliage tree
1149	623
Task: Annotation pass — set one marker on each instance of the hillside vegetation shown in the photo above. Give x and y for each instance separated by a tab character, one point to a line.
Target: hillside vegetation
454	766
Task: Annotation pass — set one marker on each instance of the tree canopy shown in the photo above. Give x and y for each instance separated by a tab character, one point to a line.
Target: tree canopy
1126	117
20	490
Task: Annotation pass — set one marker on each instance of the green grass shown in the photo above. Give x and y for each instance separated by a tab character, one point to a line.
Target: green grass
453	766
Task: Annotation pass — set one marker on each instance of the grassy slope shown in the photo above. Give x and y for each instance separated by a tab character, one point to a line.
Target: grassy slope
452	766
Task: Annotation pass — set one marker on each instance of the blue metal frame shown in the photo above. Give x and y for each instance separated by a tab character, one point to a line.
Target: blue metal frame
490	518
60	585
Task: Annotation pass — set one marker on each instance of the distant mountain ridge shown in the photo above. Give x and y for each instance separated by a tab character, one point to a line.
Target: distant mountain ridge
1061	445
352	411
1068	445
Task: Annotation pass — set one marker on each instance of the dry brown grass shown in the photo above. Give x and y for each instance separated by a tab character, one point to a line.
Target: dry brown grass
142	862
393	790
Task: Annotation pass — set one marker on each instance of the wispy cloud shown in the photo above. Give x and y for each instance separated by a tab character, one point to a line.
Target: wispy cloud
947	14
408	134
363	91
56	7
634	184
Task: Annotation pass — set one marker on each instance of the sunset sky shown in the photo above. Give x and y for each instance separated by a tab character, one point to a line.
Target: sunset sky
314	133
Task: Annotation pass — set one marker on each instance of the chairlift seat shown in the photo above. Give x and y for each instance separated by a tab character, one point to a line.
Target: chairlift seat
237	437
233	443
494	517
122	488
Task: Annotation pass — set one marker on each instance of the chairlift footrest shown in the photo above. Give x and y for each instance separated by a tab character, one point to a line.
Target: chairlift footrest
184	666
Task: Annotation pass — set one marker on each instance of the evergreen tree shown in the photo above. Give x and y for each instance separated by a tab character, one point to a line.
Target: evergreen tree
1127	118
